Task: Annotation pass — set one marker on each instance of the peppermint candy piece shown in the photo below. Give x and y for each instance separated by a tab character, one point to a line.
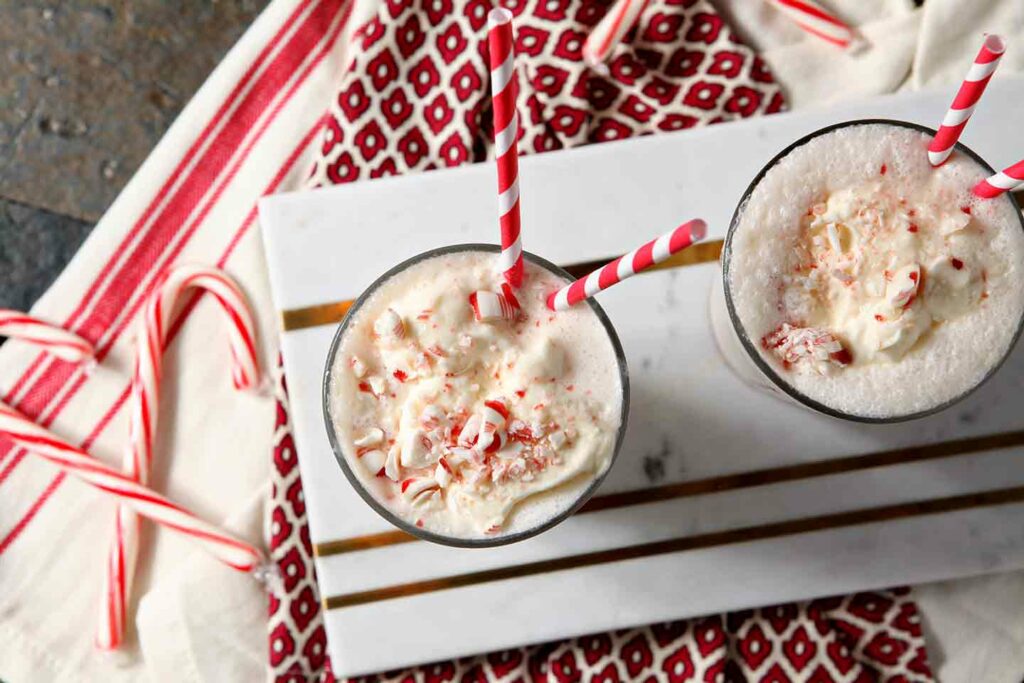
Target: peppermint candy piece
419	489
491	306
809	346
493	419
373	437
389	326
470	431
416	450
392	468
902	289
373	460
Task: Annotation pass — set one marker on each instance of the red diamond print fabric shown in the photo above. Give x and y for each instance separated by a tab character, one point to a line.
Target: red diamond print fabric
861	638
416	98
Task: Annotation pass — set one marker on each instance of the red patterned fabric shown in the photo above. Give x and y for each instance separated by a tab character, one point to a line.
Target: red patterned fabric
416	98
864	637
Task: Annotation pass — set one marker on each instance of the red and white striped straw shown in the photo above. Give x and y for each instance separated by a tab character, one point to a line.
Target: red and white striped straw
966	99
73	460
817	21
610	31
506	153
54	340
151	337
652	253
1007	180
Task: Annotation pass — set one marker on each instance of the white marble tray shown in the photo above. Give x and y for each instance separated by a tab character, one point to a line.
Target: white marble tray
729	498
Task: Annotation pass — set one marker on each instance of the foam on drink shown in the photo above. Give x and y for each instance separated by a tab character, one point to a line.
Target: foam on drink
870	281
471	424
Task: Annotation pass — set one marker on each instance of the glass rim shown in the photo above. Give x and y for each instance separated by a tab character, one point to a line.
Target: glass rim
750	347
457	541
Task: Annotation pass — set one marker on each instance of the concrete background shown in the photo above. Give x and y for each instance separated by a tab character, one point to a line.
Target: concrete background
87	87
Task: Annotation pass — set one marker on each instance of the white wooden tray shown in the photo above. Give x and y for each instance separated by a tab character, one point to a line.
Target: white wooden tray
723	497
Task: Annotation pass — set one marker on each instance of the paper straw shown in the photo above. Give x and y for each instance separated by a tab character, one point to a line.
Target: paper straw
1007	180
506	130
610	31
151	337
966	99
653	252
815	20
54	340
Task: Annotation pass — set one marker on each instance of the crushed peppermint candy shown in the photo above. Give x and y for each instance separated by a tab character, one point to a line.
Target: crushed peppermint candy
461	415
491	306
807	347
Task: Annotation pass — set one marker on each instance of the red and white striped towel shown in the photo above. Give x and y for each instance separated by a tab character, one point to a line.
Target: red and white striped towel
249	131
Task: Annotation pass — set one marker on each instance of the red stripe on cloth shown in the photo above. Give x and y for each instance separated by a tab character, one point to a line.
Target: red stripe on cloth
203	138
249	220
30	515
126	277
142	262
179	170
21	381
13	463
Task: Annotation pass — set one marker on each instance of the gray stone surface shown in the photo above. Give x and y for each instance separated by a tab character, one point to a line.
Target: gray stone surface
87	87
35	244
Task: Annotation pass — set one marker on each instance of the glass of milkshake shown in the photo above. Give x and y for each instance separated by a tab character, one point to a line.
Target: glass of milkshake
468	415
861	282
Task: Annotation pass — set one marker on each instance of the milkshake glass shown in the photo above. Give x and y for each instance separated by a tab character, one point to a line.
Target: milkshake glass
859	282
473	432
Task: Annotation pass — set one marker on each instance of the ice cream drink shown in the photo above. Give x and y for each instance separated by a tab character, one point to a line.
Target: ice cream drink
468	412
865	283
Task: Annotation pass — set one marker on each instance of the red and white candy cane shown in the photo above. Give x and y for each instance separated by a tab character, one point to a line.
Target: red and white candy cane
653	252
151	336
506	130
966	99
490	306
610	31
143	500
54	340
815	20
1007	180
493	419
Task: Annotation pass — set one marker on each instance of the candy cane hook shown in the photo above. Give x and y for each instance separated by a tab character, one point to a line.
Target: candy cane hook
151	336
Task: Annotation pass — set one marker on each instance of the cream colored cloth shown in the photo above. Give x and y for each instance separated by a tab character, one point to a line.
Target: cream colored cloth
196	620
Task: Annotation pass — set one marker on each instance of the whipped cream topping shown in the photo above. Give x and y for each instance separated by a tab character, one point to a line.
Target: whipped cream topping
880	264
472	423
871	282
